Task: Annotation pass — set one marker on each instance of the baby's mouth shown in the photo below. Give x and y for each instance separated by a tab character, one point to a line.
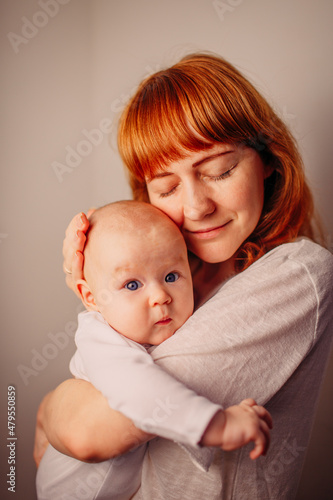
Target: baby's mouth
164	321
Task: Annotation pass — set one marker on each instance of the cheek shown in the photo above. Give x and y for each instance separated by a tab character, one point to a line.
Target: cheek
170	207
249	197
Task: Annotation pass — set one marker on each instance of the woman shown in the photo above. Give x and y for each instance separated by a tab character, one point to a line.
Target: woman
202	145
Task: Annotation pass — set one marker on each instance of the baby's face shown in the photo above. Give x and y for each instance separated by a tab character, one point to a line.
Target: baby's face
143	284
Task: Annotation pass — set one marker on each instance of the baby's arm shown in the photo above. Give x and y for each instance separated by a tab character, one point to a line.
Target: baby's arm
156	402
134	385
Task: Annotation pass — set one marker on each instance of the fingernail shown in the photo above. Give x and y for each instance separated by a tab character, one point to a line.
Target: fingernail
80	221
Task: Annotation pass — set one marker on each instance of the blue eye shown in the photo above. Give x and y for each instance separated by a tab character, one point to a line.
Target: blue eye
133	285
172	277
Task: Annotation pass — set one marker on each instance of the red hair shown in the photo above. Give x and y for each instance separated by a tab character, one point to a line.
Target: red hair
205	96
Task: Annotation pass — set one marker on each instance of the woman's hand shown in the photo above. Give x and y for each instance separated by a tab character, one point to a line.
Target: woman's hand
73	247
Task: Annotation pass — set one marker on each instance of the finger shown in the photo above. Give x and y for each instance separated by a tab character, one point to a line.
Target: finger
257	451
71	245
259	446
81	221
248	402
264	415
261	439
73	235
266	432
77	266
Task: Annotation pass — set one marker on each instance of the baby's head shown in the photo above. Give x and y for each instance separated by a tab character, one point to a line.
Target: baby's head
136	272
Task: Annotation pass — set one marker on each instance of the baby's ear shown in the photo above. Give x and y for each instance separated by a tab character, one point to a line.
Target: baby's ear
86	295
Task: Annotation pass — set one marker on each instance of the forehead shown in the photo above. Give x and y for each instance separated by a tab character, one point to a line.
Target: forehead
195	159
125	247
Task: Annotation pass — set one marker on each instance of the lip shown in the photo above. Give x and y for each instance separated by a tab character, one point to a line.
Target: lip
163	321
208	233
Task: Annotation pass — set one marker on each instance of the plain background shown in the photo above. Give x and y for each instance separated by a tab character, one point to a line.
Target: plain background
66	69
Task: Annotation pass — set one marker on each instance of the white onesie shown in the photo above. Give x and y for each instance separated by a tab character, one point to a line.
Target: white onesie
133	384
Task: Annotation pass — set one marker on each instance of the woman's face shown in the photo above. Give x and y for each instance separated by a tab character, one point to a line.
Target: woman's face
215	196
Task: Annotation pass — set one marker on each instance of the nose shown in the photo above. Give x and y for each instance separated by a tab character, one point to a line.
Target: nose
197	203
158	295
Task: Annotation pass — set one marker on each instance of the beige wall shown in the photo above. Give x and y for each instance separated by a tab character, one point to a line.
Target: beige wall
70	71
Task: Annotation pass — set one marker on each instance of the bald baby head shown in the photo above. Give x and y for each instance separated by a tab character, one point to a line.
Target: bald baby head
136	220
136	271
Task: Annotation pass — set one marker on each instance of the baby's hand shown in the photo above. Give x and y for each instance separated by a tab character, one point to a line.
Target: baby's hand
239	425
244	423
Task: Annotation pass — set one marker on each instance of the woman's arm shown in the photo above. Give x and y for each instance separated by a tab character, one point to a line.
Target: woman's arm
76	419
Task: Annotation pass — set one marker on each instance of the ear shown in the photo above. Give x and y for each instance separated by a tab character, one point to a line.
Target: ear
86	295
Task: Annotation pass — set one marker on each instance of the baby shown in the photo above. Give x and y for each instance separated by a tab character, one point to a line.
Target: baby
137	290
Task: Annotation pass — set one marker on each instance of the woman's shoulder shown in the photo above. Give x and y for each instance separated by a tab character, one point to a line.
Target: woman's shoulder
304	253
303	249
300	269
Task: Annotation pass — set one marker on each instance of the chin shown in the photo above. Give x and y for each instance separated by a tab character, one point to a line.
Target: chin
213	255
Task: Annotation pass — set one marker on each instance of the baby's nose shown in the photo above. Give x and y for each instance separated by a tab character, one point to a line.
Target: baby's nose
159	296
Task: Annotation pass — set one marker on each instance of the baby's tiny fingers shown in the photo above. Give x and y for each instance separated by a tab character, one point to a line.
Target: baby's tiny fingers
248	402
259	447
264	415
266	432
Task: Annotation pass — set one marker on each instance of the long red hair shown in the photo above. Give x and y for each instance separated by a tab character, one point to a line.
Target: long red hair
207	94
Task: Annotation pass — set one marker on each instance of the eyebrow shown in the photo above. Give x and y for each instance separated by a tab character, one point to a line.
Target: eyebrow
160	175
123	270
211	157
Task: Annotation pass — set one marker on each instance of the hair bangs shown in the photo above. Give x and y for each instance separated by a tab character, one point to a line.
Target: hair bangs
159	128
173	114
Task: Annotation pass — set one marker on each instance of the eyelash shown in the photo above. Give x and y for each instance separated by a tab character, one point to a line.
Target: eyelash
165	195
175	274
225	175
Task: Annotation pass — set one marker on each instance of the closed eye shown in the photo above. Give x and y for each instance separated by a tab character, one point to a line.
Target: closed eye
222	176
168	193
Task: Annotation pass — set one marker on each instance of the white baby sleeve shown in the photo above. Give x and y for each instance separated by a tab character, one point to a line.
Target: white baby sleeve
134	385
